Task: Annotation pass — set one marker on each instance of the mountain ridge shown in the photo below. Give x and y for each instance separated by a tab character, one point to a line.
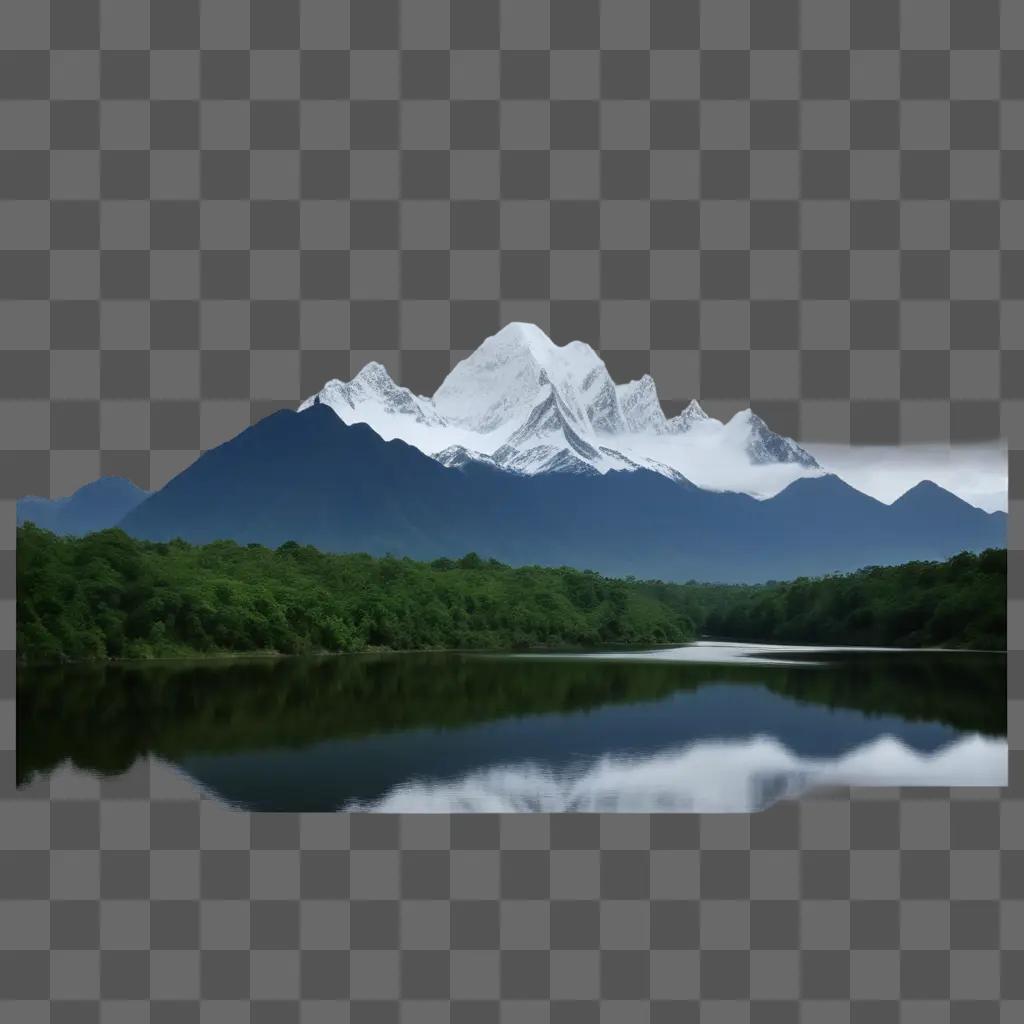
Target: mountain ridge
93	506
310	478
541	463
494	405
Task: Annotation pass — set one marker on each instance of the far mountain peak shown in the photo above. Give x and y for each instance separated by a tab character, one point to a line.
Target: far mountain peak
927	490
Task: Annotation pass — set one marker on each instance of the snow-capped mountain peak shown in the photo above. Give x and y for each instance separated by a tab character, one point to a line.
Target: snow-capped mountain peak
374	375
641	408
692	415
373	397
549	431
498	385
525	404
764	446
601	401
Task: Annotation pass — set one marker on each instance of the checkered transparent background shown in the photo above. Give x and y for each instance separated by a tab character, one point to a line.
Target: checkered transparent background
814	207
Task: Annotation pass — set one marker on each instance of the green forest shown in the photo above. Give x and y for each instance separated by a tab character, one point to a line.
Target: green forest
958	603
107	596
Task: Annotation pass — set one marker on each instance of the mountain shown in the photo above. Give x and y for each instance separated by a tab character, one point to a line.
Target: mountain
927	497
521	402
641	409
763	446
499	384
305	477
372	397
309	477
95	506
690	417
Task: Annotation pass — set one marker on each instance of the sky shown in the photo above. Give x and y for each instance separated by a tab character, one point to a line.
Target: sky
975	472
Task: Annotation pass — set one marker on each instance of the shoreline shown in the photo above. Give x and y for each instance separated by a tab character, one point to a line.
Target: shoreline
269	655
541	649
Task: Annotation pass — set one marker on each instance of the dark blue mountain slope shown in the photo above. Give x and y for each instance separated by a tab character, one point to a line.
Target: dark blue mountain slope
310	478
95	506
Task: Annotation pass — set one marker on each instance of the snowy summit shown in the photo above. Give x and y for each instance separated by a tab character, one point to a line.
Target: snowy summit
521	402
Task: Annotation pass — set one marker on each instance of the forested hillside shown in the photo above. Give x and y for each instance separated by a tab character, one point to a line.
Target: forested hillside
957	603
108	596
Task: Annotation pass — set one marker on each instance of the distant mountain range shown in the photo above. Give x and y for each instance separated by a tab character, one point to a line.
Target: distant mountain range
96	506
527	405
309	477
529	454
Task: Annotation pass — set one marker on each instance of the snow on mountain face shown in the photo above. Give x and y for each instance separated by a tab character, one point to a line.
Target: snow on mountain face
601	401
543	458
689	418
640	406
372	397
499	384
766	447
541	406
456	455
527	405
550	418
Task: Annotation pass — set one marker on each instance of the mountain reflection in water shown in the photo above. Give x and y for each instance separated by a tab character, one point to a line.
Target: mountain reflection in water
705	728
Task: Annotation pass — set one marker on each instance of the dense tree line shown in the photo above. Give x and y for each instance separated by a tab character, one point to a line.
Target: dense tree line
958	603
107	595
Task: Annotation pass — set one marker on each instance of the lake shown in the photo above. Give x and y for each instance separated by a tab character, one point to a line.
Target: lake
706	727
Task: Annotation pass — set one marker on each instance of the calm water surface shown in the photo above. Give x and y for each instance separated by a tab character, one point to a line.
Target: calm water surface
708	727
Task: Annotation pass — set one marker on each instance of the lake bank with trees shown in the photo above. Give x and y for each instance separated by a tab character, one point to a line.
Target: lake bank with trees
107	596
